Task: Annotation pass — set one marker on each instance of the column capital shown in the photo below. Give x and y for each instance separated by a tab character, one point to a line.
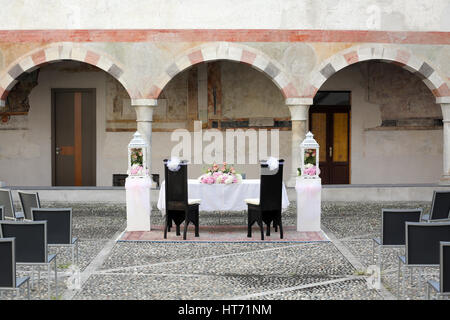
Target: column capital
299	112
299	101
144	112
443	100
144	102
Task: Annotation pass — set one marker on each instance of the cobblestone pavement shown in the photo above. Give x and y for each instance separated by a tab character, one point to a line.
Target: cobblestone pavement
327	270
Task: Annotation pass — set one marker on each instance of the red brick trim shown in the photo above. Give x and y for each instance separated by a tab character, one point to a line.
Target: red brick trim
351	57
92	58
38	57
229	35
196	57
248	57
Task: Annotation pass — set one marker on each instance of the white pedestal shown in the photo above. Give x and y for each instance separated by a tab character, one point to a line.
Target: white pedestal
308	204
138	203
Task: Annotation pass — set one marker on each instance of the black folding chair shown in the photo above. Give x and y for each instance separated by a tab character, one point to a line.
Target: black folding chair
31	246
29	200
440	207
8	277
393	230
6	200
179	207
267	208
59	227
422	247
442	287
2	213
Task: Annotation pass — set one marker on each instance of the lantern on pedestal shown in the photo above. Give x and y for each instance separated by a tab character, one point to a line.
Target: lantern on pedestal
309	187
137	156
137	185
309	149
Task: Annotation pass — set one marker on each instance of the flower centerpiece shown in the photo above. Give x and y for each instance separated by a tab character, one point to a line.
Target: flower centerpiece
220	175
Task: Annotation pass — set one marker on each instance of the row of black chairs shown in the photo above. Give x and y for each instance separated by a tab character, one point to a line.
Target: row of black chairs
30	249
59	219
266	209
30	236
8	277
421	236
28	200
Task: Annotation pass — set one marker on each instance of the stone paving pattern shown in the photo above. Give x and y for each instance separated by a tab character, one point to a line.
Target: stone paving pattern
145	270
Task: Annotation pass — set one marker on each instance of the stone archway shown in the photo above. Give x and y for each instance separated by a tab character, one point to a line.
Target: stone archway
226	51
55	53
402	57
399	56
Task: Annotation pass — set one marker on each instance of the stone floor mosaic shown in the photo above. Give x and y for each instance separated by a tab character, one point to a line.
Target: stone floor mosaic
337	269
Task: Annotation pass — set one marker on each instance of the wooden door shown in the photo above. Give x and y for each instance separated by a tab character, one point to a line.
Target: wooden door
73	138
331	128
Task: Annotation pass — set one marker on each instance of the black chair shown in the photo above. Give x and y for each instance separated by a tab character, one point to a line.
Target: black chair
422	247
267	208
31	246
440	207
178	207
6	200
29	200
2	213
8	278
59	227
393	229
442	287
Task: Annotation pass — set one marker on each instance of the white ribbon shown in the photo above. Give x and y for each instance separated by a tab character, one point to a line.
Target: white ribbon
173	164
273	163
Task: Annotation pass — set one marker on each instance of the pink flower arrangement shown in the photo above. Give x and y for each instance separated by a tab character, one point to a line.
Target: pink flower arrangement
220	175
311	170
137	170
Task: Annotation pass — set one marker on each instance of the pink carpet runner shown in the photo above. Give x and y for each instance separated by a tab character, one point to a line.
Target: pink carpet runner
223	233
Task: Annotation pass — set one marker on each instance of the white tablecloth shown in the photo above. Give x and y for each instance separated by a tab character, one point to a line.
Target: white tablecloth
221	197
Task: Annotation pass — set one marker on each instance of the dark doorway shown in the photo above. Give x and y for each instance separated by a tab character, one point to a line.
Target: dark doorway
329	121
73	137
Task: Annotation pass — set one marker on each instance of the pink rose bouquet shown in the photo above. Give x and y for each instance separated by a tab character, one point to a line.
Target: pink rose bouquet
220	175
310	170
137	170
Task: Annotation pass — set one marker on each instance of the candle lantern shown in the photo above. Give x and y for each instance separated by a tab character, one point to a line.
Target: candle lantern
137	156
310	158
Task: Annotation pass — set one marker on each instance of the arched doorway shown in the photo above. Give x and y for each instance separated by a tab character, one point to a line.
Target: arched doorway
222	95
377	123
60	117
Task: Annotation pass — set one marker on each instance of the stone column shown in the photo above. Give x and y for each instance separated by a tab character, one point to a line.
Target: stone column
445	179
144	118
299	108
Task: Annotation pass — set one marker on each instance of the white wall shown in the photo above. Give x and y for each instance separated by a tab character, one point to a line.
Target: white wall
398	15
